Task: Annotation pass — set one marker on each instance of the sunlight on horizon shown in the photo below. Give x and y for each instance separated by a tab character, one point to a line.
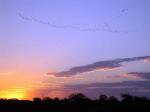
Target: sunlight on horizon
13	94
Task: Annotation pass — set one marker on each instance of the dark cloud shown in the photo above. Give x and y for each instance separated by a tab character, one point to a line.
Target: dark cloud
124	84
140	88
145	75
101	65
93	90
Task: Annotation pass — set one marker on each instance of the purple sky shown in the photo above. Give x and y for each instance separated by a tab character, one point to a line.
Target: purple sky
52	36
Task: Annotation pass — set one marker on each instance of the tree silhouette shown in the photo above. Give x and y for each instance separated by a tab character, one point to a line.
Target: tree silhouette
103	98
112	99
37	99
78	97
77	103
127	98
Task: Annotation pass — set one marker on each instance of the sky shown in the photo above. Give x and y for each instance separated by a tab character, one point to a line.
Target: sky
58	47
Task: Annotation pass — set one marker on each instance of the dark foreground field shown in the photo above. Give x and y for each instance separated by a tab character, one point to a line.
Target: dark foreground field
77	103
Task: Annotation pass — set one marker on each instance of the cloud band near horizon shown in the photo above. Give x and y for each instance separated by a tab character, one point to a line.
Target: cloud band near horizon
101	65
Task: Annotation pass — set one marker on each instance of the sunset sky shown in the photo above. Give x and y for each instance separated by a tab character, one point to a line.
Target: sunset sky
58	47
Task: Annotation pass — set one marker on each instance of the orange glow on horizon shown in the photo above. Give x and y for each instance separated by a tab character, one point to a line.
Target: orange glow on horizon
13	94
57	94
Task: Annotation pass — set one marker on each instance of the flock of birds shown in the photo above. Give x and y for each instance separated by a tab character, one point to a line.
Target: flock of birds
100	27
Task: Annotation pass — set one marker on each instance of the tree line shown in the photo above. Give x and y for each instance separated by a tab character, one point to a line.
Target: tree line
78	102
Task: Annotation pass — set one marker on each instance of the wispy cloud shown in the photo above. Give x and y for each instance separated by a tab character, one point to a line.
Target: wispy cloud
101	65
147	60
145	75
128	75
5	73
133	84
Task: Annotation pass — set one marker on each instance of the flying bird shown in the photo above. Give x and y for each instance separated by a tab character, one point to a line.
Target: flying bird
101	27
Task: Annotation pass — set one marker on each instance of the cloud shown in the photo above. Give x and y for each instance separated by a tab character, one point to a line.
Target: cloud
147	60
127	75
145	75
124	84
5	73
101	65
93	90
